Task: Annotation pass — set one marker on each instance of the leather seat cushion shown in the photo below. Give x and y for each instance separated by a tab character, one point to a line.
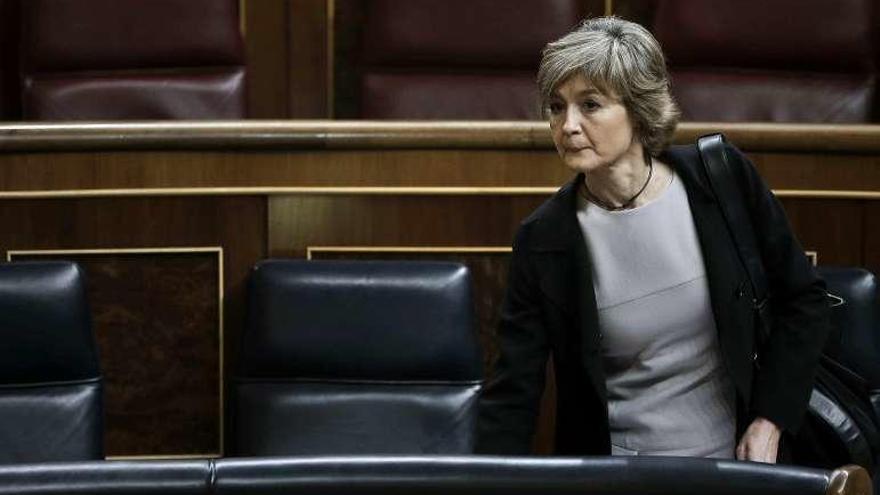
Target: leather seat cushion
355	418
772	96
52	422
510	96
125	96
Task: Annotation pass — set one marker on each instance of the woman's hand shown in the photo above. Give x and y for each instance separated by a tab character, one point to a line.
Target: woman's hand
760	442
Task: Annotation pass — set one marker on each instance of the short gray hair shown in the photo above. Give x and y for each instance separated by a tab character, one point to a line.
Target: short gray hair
619	56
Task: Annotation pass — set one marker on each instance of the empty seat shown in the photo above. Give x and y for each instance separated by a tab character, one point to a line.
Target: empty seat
781	61
50	383
132	60
459	59
856	340
361	357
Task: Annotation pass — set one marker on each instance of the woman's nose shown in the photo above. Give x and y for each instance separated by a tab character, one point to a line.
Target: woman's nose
572	123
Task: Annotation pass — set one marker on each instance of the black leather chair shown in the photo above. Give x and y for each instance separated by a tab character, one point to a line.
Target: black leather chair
856	340
50	382
363	357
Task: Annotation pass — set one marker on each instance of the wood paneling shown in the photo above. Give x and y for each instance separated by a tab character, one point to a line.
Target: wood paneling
382	155
819	171
348	22
368	168
271	172
288	58
832	228
639	11
309	64
871	228
237	224
266	44
296	222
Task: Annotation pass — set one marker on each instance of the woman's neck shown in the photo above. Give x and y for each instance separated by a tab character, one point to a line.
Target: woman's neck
631	176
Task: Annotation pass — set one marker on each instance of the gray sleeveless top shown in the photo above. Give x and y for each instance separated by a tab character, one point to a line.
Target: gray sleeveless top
668	391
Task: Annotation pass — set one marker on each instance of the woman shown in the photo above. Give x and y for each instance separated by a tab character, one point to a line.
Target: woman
630	279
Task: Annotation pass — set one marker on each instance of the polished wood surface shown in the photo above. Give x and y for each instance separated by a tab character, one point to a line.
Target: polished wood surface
317	134
284	157
266	47
309	58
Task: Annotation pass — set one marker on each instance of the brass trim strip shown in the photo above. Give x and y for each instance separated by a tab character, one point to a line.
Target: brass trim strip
242	18
232	191
368	190
53	252
221	329
406	249
218	250
824	193
609	7
813	256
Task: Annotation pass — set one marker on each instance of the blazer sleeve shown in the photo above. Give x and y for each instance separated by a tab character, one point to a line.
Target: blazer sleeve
798	305
509	404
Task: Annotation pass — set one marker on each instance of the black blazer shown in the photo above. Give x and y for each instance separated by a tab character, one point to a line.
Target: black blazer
550	308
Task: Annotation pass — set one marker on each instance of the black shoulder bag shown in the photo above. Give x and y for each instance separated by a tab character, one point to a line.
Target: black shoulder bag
840	427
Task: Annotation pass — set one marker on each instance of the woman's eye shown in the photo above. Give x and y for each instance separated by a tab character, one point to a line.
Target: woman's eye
556	108
590	105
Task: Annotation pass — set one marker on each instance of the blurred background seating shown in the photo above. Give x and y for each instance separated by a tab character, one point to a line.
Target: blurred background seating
784	61
460	59
129	60
779	61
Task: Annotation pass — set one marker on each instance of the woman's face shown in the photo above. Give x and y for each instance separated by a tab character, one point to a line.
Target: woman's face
591	130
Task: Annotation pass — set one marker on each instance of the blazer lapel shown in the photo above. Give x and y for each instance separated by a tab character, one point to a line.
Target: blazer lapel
566	276
555	239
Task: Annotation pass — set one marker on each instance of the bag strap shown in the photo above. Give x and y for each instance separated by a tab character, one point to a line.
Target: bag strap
730	201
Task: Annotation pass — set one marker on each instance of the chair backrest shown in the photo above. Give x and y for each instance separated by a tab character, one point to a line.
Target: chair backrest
362	357
50	382
132	60
856	341
780	61
457	59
